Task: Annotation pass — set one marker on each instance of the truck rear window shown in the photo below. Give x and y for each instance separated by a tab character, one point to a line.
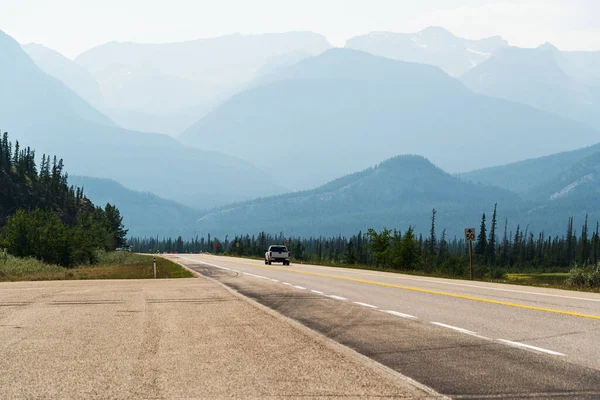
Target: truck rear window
278	249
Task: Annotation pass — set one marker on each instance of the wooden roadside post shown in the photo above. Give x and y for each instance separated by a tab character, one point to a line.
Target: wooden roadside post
469	238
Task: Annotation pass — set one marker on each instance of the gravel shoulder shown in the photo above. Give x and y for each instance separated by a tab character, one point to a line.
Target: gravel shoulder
184	338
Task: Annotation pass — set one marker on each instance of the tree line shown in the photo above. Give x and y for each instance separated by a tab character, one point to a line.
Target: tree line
42	216
497	250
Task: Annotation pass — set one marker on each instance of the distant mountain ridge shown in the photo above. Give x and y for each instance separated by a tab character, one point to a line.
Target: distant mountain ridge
77	78
534	77
344	110
433	46
35	95
180	82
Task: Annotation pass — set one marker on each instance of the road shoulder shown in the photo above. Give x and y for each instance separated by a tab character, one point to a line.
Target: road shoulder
187	338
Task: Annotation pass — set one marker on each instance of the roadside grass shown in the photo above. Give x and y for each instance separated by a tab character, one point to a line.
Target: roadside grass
113	265
555	279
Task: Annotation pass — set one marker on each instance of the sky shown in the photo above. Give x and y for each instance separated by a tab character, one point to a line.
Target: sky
74	26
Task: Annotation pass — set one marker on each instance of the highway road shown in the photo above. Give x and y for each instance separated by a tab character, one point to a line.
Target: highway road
462	339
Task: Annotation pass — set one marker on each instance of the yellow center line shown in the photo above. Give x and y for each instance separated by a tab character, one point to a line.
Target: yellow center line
429	291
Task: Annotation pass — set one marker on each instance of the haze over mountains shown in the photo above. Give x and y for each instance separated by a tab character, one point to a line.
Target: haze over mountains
43	113
534	77
267	114
145	214
76	77
166	87
345	110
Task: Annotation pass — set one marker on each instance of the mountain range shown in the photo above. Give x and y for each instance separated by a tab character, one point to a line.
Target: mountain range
534	77
44	113
166	87
345	110
290	113
399	192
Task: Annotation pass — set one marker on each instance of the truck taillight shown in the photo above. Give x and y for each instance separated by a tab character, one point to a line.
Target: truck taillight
289	254
271	254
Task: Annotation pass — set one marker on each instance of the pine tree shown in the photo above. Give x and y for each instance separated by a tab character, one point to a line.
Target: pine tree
409	251
491	246
569	243
583	256
432	238
481	246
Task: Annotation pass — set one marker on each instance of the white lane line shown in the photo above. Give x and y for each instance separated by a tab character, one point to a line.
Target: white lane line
275	280
287	284
456	328
300	287
527	346
461	330
365	304
399	314
317	292
332	296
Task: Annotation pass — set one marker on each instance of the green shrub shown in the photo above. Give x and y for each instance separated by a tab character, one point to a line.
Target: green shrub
10	265
587	277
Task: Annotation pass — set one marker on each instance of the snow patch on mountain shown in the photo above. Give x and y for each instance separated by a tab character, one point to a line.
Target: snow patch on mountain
416	41
479	53
569	188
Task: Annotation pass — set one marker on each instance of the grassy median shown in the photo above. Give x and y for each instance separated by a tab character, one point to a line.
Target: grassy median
114	265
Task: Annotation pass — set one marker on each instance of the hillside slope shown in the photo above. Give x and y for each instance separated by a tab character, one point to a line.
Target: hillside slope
398	192
527	175
145	214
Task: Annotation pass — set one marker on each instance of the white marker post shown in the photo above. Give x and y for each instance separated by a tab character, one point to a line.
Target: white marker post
154	267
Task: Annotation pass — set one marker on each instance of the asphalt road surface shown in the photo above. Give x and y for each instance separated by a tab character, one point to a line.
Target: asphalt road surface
462	339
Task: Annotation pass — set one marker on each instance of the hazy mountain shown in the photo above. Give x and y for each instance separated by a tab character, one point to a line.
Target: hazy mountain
281	61
583	66
534	77
30	95
397	193
42	112
144	214
573	192
433	45
528	175
168	80
345	110
578	184
77	78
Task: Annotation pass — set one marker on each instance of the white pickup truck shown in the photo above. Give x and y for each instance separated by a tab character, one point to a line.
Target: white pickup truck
277	254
